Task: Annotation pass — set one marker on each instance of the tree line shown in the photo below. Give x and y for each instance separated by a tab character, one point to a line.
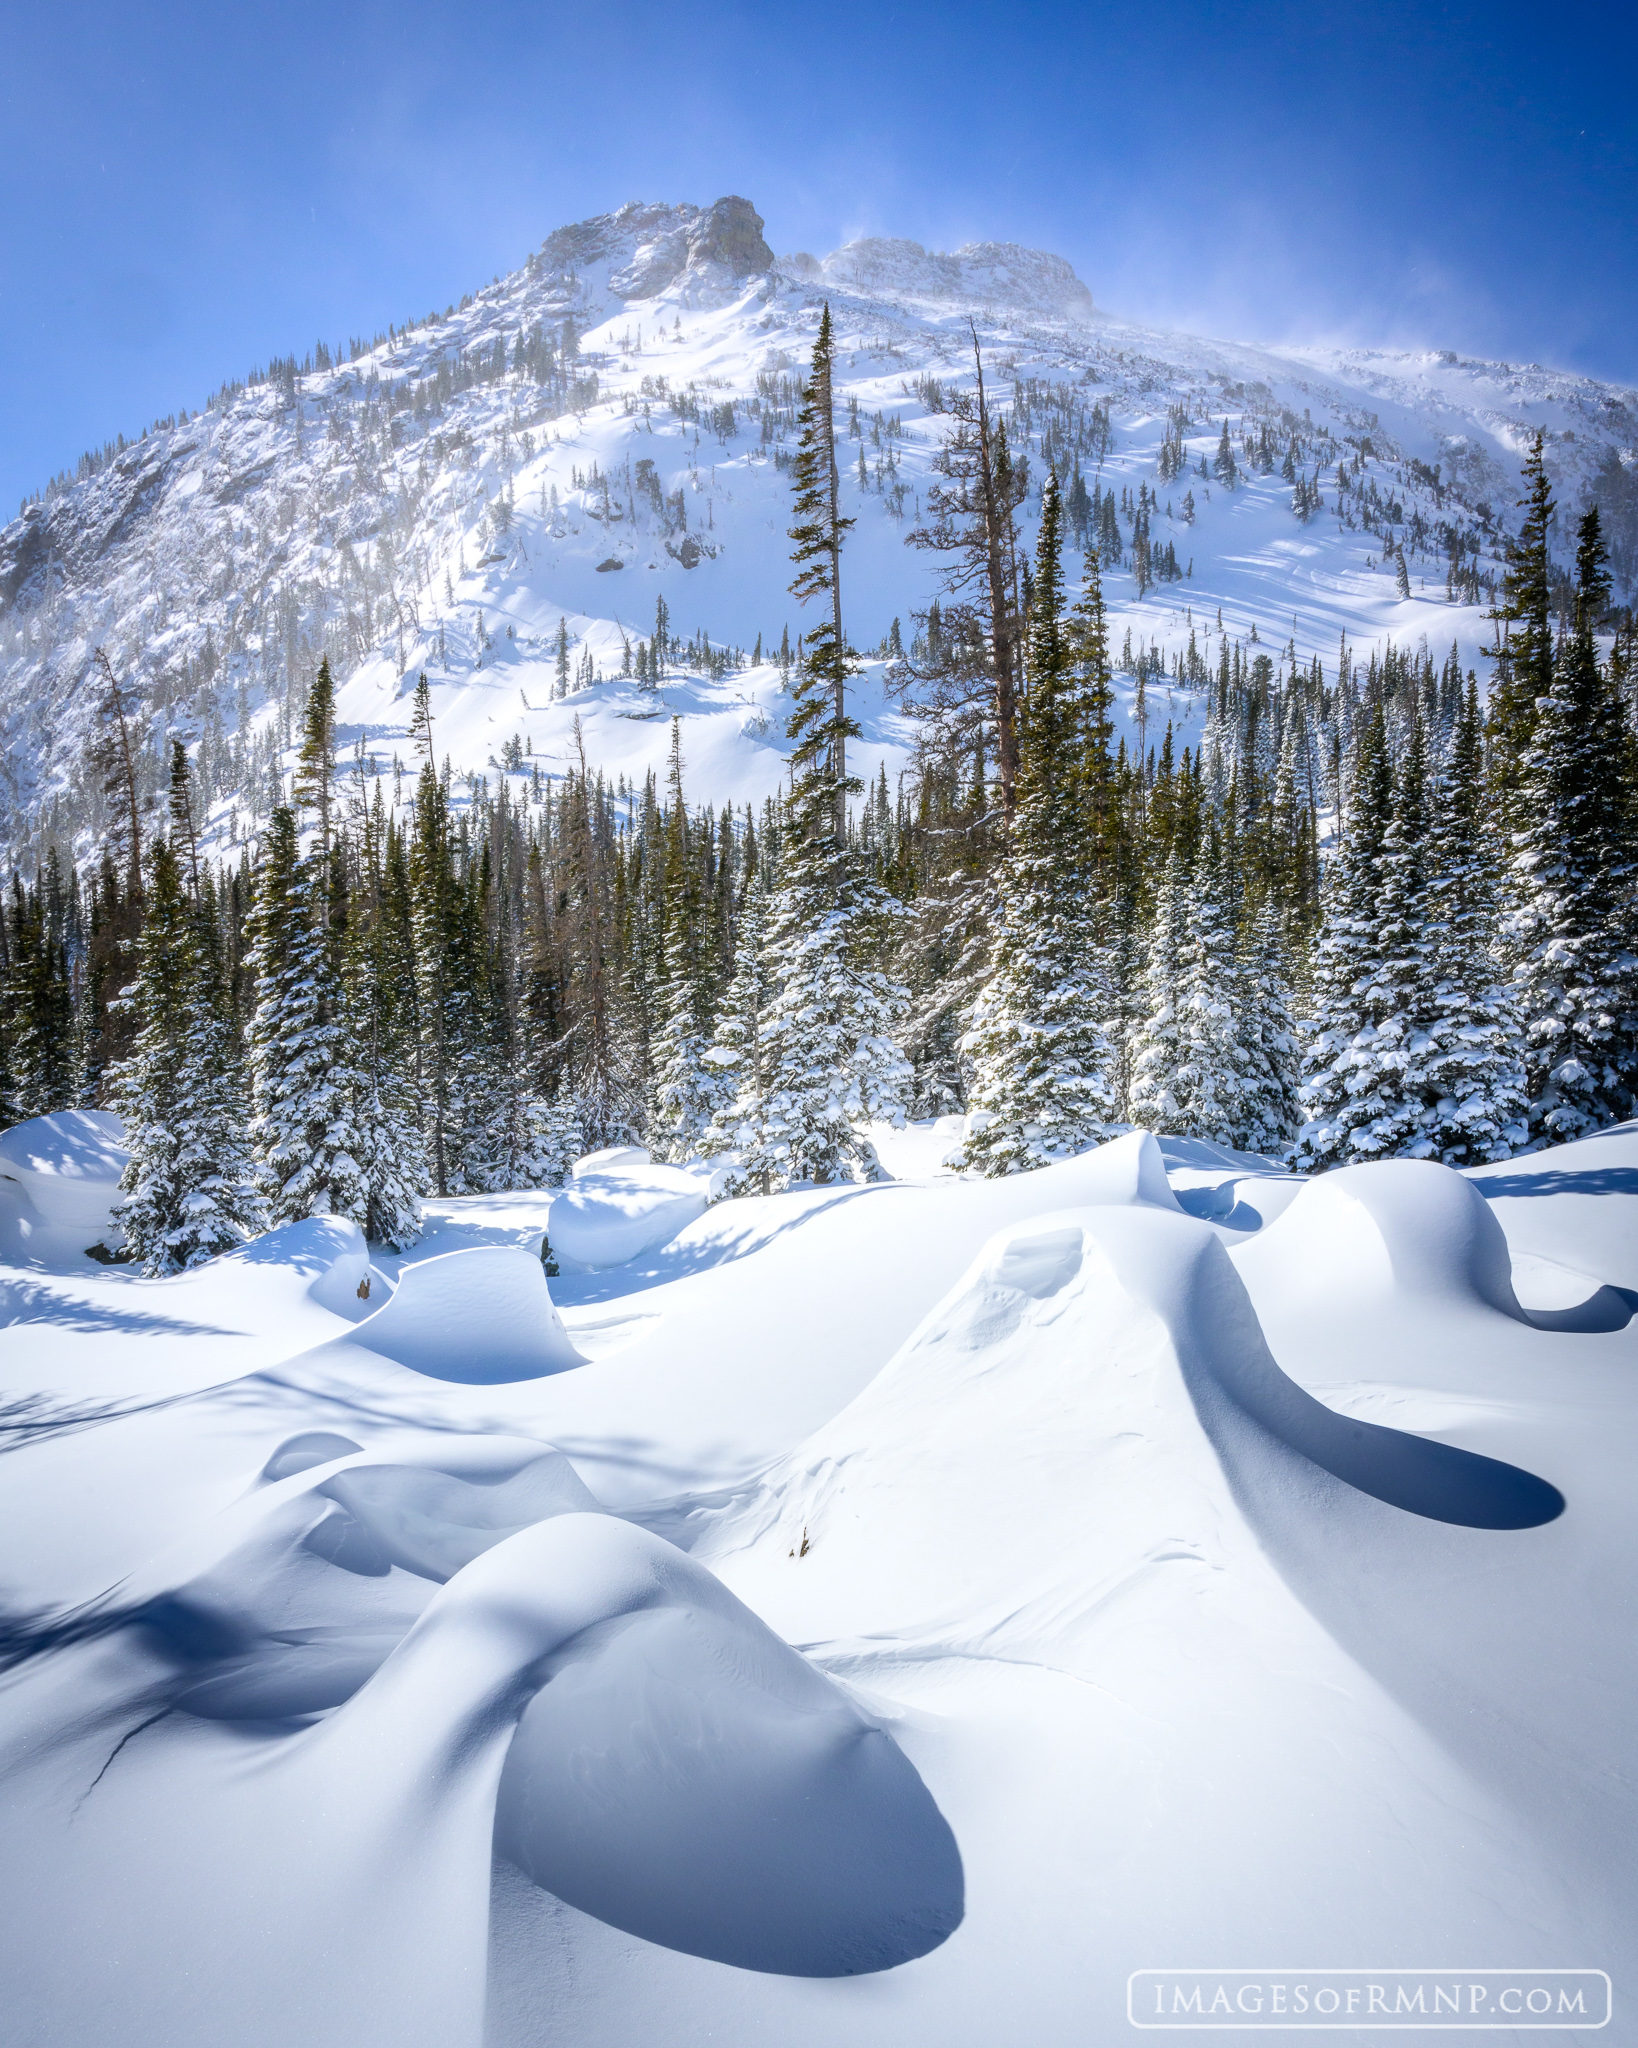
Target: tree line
1367	916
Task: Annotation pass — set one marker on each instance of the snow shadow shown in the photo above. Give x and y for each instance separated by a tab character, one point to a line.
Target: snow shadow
1440	1481
1572	1180
1610	1308
33	1301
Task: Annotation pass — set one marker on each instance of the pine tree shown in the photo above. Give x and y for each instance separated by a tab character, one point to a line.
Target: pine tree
1214	1079
1570	916
685	1092
821	714
1268	1033
832	1067
189	1192
1224	467
1043	1064
1524	643
1339	1074
1154	1050
560	678
42	1044
380	998
1477	1105
1193	1072
302	1076
736	1133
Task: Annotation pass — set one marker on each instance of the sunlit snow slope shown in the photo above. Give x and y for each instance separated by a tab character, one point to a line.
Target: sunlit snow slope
432	506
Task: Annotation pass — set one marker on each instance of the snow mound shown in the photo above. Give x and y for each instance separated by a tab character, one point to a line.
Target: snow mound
685	1775
1129	1169
1576	1205
1064	1403
480	1317
1405	1227
327	1253
284	1603
617	1204
59	1174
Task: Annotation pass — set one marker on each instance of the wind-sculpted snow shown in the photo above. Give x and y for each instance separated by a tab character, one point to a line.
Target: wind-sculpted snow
1405	1226
59	1183
944	1599
681	1772
618	1203
477	1316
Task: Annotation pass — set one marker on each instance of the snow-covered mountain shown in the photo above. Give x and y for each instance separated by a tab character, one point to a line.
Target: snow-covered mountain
609	426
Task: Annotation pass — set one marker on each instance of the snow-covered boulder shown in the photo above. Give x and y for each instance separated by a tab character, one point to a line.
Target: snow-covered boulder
618	1203
59	1180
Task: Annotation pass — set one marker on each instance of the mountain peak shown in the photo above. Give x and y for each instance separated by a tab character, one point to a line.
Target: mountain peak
650	248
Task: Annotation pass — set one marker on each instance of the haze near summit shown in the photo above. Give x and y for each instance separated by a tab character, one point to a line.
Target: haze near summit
192	191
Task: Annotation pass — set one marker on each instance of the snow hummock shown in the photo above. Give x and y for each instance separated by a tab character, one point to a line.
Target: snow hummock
59	1181
618	1202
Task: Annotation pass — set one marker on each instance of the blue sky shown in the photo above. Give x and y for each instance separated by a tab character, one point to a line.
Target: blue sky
188	189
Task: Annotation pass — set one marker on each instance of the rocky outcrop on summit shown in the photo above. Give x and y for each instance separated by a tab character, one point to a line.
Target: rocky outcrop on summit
651	248
1000	274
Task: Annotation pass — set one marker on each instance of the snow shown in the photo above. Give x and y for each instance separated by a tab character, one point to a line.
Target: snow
59	1181
617	1203
890	1613
209	544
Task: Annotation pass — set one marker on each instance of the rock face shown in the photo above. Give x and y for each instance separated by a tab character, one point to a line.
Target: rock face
979	273
651	248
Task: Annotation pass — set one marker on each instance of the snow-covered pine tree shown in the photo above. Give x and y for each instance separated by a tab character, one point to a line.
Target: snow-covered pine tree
1524	648
443	1004
686	1091
1268	1034
1570	917
832	1066
1153	1049
1389	1088
303	1079
944	955
1477	1108
380	995
1193	1072
37	996
189	1191
1339	1077
735	1134
1214	1071
1043	1064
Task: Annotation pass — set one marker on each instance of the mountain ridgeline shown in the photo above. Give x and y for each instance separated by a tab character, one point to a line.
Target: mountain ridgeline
1075	726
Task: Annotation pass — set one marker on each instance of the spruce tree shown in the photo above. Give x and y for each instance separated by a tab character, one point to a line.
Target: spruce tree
832	1066
820	529
1523	653
1043	1062
736	1054
1268	1034
189	1189
1339	1075
303	1080
1154	1049
685	1092
380	998
1570	914
1477	1105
